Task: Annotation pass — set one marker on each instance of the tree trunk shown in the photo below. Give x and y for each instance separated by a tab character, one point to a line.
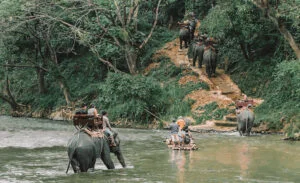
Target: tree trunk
265	7
131	59
243	48
288	36
9	97
66	92
59	76
41	79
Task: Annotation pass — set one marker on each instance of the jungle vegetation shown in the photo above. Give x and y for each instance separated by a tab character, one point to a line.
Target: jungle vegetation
57	53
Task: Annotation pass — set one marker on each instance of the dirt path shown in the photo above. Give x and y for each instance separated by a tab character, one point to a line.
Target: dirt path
223	90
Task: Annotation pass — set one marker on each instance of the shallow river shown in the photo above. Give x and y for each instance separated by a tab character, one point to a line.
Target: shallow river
34	150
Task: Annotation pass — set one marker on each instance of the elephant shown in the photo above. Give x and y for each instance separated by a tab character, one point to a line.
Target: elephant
210	59
245	121
84	149
192	26
198	51
184	35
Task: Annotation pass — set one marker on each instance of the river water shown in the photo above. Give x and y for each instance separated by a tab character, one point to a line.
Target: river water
34	150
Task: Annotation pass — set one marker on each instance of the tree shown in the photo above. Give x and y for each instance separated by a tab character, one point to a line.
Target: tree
280	12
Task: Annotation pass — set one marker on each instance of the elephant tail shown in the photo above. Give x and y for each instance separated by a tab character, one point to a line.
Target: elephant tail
247	121
68	166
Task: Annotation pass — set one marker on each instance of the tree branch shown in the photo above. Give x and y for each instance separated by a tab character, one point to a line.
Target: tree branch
118	12
153	27
280	26
24	66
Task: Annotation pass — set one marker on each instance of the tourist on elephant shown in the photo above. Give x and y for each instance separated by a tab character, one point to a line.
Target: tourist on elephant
93	111
107	128
193	22
82	110
174	127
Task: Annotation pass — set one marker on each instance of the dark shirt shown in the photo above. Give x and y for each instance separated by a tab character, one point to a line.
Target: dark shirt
81	111
174	128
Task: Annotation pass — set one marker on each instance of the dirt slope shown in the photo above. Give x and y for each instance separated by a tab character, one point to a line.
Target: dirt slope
222	89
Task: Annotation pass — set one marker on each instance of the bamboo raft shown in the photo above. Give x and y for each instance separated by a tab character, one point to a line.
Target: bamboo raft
186	147
84	120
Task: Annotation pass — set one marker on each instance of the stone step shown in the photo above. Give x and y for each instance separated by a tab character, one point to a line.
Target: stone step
231	118
225	123
226	92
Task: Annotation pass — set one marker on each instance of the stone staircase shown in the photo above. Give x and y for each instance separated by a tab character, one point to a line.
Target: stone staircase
228	121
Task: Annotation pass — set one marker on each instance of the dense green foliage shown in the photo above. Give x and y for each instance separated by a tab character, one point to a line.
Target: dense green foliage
142	99
261	58
63	53
211	111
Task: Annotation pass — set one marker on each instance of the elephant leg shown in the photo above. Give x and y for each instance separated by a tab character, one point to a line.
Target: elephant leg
105	156
75	165
241	133
213	69
180	42
185	43
84	165
194	59
208	70
199	61
248	132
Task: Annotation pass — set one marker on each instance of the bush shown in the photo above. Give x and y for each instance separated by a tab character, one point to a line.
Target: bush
282	97
211	111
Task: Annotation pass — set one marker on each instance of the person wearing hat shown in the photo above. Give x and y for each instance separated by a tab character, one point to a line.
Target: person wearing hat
174	132
82	110
180	122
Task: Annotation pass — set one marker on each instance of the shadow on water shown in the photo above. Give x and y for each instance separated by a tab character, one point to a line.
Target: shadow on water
34	150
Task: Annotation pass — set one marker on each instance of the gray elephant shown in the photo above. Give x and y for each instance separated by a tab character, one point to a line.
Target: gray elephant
84	149
198	50
193	23
245	121
184	35
210	60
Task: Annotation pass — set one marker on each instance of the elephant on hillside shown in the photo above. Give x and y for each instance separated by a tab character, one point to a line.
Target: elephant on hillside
184	35
245	121
193	24
198	50
210	59
84	149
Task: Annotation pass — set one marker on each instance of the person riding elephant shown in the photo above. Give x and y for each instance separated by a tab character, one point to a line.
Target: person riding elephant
245	121
198	51
184	34
85	146
210	57
193	22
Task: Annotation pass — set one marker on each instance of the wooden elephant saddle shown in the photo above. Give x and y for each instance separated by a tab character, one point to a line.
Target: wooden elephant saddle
82	120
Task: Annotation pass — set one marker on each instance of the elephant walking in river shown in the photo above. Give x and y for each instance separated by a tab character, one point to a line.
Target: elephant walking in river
245	121
84	149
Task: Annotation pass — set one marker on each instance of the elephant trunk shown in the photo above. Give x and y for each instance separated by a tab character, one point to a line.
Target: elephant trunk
120	158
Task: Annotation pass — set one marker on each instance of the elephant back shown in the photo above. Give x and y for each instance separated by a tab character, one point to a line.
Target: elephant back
184	32
79	140
199	49
193	23
246	116
207	56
